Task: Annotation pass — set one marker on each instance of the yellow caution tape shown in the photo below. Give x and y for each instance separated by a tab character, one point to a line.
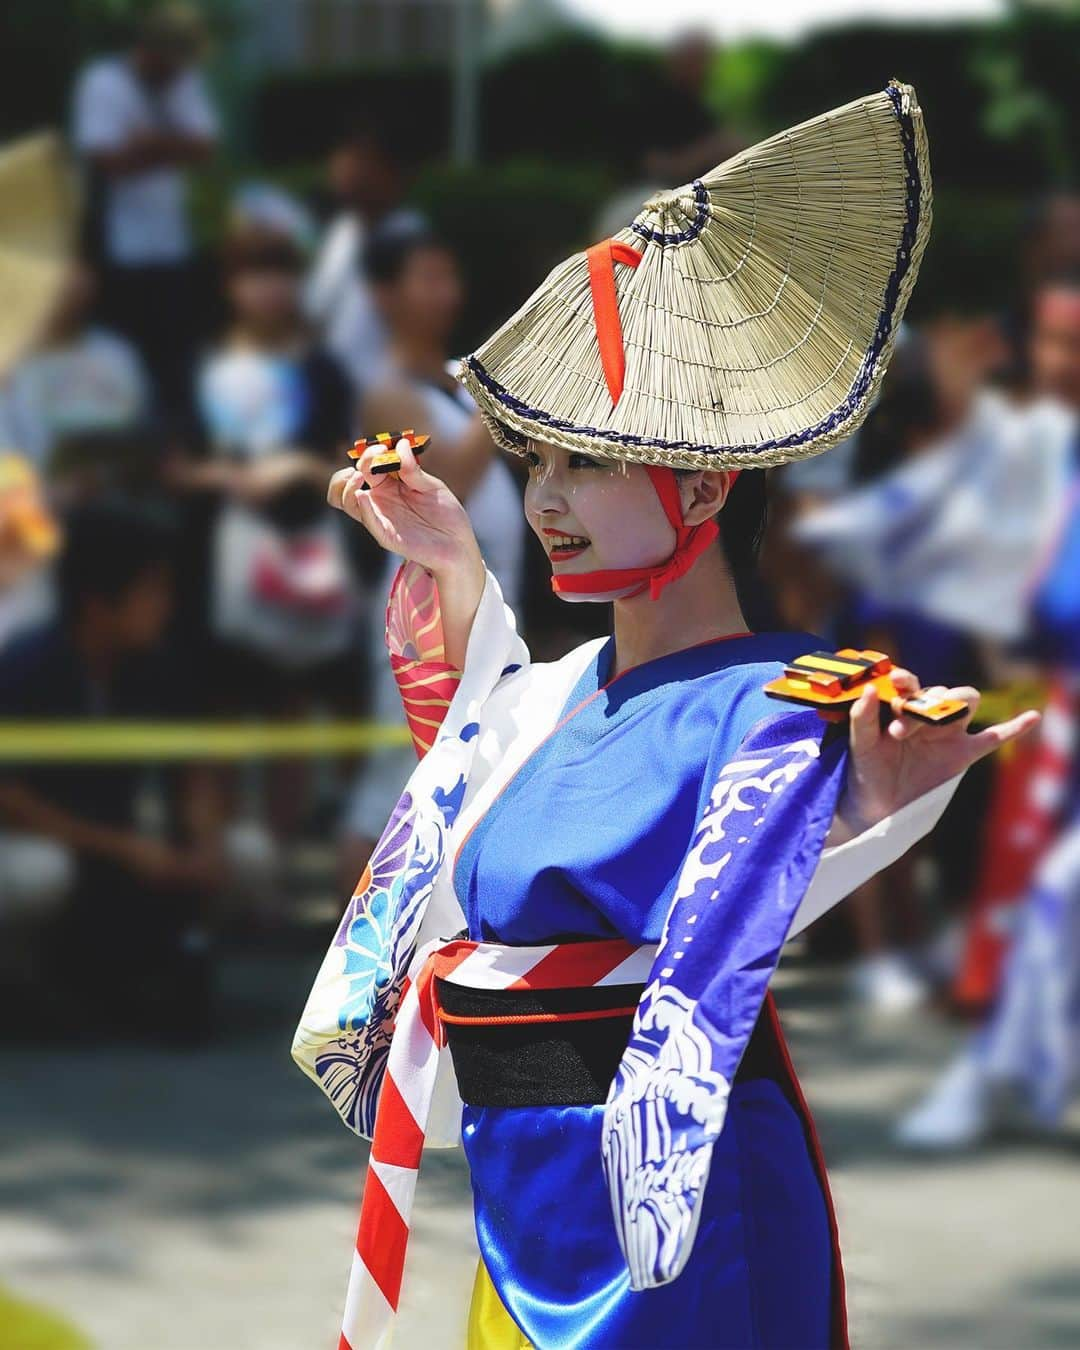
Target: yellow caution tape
998	705
80	742
71	742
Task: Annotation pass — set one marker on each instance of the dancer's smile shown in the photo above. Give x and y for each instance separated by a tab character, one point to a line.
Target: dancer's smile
561	546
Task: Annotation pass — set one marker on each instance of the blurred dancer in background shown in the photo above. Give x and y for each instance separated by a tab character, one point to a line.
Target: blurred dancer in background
1023	1063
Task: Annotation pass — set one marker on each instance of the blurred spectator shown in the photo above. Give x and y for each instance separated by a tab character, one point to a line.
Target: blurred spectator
418	290
276	411
1055	338
1051	248
265	206
140	119
79	380
366	188
131	948
679	138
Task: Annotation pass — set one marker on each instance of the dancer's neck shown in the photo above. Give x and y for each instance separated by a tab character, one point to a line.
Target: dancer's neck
701	605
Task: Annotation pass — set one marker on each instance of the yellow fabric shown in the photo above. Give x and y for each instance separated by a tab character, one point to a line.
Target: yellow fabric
25	1327
490	1326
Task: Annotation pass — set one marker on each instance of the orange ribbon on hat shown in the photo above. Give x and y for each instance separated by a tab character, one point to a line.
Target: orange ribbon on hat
601	259
690	541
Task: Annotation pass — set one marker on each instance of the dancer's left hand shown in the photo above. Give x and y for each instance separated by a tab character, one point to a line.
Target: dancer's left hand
891	766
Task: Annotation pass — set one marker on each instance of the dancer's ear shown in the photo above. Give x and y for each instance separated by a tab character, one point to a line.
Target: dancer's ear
704	493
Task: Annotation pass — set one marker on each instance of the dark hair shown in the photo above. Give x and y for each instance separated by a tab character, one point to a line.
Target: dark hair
109	546
742	521
172	29
253	248
1063	279
393	242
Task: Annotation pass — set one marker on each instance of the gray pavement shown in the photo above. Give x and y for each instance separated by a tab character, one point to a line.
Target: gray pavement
207	1200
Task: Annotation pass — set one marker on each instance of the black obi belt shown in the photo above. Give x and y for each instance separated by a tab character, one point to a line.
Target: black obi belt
550	1047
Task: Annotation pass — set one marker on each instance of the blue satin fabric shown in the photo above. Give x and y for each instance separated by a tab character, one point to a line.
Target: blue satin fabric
760	1271
587	841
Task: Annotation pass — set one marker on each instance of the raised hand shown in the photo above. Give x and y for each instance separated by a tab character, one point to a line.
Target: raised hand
891	766
414	514
410	513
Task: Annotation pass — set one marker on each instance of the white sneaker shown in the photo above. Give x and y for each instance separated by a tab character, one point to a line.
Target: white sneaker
886	984
955	1114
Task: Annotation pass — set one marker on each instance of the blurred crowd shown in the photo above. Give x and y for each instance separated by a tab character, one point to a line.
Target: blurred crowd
181	417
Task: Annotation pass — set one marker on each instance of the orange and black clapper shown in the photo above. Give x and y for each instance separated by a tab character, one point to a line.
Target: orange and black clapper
832	681
388	460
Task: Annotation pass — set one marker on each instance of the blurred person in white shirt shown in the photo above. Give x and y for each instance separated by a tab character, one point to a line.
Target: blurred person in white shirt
365	188
419	292
78	380
141	118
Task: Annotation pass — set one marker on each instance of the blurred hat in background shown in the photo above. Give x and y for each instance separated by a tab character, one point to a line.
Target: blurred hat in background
37	219
265	208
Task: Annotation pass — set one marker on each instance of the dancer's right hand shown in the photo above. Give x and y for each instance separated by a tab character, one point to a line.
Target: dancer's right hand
411	513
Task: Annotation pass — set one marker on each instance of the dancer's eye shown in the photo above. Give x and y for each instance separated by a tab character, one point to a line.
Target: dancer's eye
580	461
532	459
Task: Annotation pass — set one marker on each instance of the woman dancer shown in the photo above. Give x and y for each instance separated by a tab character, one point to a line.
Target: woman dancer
624	839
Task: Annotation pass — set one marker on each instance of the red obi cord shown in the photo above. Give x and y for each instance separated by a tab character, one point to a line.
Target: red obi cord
690	541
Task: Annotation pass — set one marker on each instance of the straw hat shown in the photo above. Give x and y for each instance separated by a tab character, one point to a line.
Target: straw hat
37	212
744	320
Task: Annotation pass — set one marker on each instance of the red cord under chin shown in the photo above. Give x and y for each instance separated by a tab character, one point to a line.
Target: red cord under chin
691	541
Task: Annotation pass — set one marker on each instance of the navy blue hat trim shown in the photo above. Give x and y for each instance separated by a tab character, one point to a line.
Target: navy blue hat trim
701	215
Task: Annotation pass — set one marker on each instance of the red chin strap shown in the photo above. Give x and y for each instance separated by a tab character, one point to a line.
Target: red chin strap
690	542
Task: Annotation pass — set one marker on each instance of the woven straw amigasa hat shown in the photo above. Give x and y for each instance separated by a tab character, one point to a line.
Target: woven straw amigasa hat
37	213
742	321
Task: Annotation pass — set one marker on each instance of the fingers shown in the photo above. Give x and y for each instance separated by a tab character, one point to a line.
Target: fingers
993	738
904	682
335	492
906	726
346	484
410	470
864	725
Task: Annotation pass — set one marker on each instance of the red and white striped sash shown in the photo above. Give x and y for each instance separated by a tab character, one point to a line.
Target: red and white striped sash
409	1084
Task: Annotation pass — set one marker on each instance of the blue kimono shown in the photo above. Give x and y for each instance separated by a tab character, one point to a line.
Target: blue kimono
587	841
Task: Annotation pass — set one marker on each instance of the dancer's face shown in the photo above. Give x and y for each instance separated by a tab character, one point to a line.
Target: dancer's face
594	514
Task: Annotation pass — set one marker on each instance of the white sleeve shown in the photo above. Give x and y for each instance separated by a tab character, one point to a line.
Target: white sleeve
845	867
101	111
190	108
